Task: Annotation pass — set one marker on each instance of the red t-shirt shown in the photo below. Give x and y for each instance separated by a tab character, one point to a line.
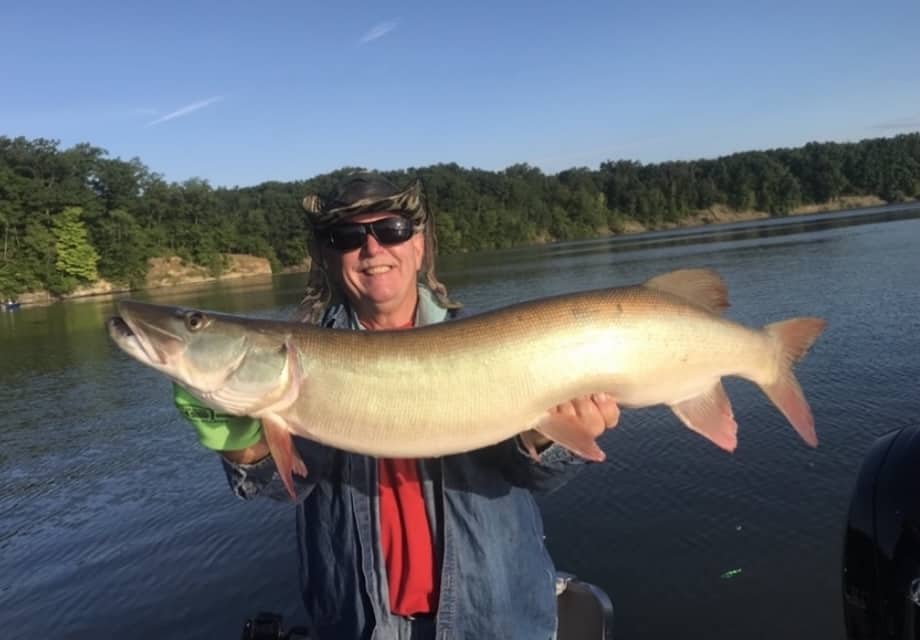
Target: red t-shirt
405	534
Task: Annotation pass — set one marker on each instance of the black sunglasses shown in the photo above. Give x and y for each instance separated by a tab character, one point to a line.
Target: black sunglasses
349	236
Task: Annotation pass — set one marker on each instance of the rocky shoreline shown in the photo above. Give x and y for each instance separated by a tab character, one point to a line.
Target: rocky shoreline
163	272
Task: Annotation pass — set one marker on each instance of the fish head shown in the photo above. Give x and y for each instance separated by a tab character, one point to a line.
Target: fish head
232	363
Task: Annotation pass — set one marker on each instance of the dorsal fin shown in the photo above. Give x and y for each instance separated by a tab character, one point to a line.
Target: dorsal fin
702	287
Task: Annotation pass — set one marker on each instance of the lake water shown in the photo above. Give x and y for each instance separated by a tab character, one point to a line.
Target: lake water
115	522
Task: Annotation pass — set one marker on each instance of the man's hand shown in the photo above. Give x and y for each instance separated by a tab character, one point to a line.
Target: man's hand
595	414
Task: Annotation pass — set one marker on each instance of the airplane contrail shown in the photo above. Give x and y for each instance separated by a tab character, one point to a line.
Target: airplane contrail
378	31
187	109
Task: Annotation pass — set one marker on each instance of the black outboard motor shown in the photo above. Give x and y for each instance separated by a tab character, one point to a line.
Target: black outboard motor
881	569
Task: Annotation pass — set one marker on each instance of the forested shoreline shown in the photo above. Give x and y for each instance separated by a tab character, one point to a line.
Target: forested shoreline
69	217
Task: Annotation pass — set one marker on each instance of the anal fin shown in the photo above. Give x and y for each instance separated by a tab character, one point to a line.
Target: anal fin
710	415
281	445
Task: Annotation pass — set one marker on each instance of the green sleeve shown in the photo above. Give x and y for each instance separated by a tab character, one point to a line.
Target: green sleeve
217	431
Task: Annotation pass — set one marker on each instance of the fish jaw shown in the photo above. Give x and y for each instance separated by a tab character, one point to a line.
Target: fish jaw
136	345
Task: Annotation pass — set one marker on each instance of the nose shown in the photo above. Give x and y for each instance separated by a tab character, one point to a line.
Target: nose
371	246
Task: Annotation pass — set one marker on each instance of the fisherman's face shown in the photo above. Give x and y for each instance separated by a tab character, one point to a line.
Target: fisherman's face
380	281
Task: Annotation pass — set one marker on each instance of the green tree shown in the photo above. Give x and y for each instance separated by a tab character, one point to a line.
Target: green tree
35	257
129	214
123	247
76	259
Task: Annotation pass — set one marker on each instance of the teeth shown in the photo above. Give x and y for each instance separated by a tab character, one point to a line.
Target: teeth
375	270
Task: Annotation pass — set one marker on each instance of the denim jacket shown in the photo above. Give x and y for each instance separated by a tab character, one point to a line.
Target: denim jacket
496	577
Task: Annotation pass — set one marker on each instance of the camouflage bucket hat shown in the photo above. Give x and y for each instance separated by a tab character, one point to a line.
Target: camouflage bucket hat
366	192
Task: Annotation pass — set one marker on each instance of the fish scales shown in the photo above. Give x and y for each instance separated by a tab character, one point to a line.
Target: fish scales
511	366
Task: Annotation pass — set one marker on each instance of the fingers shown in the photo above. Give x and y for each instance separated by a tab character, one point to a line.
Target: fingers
608	407
567	408
596	412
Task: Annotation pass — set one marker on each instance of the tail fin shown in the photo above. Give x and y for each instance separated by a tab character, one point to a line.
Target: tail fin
793	338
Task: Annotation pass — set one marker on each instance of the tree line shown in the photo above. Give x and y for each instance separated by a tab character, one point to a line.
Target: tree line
70	216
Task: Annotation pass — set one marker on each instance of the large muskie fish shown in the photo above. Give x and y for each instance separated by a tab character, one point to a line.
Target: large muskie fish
469	383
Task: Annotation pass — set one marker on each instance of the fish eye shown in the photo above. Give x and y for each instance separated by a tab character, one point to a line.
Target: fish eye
195	320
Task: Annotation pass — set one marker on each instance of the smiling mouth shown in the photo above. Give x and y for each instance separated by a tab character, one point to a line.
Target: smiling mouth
374	271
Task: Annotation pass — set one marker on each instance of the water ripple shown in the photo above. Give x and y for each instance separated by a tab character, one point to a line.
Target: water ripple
112	515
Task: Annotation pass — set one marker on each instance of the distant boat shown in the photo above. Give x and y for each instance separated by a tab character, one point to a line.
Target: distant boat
9	305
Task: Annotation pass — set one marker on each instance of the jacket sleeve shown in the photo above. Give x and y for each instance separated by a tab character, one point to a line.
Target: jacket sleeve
262	479
556	466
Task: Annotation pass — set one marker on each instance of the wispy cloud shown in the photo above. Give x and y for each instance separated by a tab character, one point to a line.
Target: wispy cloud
378	31
187	109
911	122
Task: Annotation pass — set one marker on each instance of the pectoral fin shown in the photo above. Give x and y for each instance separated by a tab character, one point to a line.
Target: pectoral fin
569	432
281	445
710	415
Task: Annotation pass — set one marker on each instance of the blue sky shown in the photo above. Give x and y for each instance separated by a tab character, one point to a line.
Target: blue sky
239	92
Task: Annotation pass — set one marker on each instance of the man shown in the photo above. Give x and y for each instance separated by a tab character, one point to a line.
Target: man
449	547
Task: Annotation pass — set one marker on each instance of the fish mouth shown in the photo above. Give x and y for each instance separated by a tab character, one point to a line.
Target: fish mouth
132	343
119	329
132	335
125	338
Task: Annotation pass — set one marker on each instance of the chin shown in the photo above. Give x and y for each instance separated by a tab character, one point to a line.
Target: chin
385	296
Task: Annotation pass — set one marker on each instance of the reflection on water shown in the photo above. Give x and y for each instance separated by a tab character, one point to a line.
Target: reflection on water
755	233
114	521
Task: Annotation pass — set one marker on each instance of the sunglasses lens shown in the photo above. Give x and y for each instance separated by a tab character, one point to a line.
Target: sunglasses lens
392	230
348	237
